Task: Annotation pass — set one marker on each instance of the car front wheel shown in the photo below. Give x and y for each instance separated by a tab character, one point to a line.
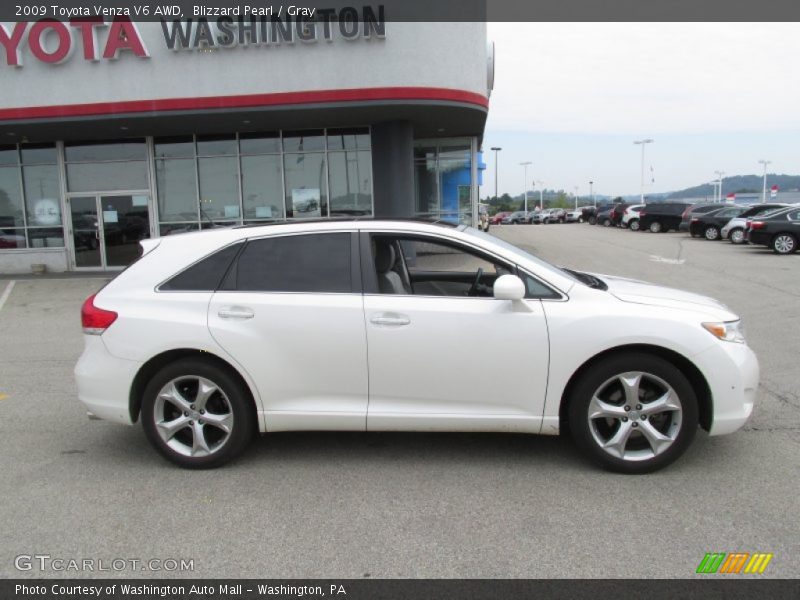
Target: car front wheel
633	413
197	415
736	236
633	224
784	243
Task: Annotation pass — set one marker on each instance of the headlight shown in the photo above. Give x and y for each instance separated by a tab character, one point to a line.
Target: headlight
728	331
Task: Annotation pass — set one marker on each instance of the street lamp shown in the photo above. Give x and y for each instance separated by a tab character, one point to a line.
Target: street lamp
496	150
591	194
541	190
643	143
525	164
719	183
764	191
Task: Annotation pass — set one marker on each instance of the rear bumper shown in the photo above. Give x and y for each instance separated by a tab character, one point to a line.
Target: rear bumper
684	226
104	381
760	238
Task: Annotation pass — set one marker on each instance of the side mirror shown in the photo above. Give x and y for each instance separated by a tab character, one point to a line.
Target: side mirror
509	287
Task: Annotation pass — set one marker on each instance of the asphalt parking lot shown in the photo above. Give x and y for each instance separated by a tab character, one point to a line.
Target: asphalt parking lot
408	505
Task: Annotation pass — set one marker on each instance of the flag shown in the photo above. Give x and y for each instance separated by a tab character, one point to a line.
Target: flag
652	175
773	191
730	197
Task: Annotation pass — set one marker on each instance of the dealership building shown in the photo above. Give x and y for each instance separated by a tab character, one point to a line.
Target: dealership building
115	131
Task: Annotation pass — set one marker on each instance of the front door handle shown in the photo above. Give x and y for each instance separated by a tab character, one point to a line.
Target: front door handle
390	320
236	312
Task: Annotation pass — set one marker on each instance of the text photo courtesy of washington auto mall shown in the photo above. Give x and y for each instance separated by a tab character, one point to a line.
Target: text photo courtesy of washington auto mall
399	299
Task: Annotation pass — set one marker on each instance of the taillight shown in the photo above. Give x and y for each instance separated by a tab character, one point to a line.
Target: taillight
757	225
95	320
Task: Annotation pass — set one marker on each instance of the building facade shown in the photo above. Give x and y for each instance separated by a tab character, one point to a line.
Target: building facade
114	131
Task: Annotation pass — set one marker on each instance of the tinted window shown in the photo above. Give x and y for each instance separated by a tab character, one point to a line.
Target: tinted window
204	276
297	263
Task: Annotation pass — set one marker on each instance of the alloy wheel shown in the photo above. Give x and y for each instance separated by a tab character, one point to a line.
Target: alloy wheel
193	416
737	236
711	233
634	225
635	416
783	244
655	227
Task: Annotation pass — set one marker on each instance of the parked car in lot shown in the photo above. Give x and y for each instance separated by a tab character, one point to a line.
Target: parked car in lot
658	217
574	216
709	224
778	230
630	217
589	213
617	212
517	218
213	336
497	218
734	229
695	210
603	217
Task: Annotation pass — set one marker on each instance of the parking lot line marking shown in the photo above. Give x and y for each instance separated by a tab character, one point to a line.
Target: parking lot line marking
6	293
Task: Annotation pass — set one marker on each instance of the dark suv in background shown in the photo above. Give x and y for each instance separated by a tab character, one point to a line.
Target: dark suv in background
695	210
661	216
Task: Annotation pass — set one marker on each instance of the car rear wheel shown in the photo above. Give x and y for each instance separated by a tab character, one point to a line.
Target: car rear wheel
197	415
606	222
736	236
711	233
655	227
784	243
633	224
633	413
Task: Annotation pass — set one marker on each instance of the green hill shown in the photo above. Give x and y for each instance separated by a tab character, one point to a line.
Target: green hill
740	184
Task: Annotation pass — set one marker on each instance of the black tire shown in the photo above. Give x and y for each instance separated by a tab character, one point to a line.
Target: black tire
736	236
655	227
595	380
592	220
711	233
234	396
633	224
784	244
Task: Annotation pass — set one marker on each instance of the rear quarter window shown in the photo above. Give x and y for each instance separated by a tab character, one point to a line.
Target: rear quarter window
205	275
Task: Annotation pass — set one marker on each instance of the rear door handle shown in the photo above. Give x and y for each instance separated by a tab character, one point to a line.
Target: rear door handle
236	312
390	320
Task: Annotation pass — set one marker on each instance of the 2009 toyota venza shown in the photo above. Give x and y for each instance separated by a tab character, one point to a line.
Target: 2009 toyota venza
212	337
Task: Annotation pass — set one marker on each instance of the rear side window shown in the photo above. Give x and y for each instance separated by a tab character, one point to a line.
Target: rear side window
318	263
205	275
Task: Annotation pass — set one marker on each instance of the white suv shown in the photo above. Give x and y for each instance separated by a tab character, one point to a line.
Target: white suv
630	216
214	336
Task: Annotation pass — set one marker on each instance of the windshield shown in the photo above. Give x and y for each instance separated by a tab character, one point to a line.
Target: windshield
517	250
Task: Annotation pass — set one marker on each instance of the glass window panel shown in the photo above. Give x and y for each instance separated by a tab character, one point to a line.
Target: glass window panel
306	189
36	155
262	187
351	183
11	238
52	237
205	275
9	155
216	146
260	143
176	228
107	176
426	187
126	150
176	147
42	196
303	141
219	189
10	198
348	139
298	263
177	190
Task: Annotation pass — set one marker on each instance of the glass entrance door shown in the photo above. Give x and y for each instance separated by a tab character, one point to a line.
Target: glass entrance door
107	229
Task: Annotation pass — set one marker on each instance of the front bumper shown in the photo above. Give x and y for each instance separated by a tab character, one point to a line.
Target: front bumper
732	373
104	381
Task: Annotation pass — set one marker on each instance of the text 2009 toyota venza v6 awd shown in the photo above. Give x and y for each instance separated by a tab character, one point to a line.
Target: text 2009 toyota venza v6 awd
387	325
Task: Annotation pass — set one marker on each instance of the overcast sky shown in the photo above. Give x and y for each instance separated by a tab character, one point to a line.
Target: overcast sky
572	97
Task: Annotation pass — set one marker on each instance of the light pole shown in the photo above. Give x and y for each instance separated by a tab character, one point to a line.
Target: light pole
719	183
496	150
591	194
643	143
541	197
525	164
764	191
576	197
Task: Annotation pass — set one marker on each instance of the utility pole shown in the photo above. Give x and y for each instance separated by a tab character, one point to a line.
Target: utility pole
525	164
719	183
496	150
591	194
764	191
643	143
541	196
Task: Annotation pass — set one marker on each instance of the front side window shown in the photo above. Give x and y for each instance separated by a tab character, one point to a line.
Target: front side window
312	263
